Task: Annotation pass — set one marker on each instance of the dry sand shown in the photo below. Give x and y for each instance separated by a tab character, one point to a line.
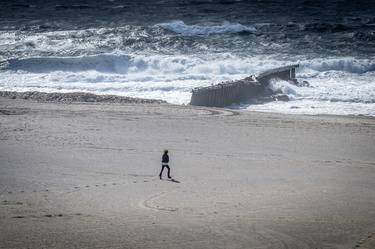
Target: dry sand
85	176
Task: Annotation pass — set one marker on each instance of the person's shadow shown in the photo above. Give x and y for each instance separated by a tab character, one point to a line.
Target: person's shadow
171	180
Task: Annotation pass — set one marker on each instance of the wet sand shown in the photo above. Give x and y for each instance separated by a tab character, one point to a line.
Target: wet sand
84	175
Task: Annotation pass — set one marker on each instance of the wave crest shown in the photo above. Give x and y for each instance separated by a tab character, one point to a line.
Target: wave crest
349	65
284	87
141	65
100	63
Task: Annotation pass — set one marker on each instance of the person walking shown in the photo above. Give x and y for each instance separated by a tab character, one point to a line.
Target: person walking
164	164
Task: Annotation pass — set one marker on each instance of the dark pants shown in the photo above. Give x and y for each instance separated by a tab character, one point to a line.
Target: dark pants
162	168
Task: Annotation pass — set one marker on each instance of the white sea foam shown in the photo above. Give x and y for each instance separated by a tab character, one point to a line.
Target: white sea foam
149	76
343	80
281	86
226	27
153	65
350	65
335	82
314	107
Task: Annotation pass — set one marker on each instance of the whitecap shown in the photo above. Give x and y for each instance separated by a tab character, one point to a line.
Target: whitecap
350	65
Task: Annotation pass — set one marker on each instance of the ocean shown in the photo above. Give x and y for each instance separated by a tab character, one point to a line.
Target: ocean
163	49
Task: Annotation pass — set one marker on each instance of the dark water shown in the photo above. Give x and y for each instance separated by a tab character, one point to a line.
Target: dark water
164	48
332	27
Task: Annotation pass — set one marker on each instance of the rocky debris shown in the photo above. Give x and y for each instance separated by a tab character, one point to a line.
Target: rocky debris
280	97
77	97
303	84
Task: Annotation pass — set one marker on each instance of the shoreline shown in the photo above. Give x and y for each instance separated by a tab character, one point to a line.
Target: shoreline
82	98
76	97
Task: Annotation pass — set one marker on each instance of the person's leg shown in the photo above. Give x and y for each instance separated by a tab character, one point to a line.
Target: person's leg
169	171
161	172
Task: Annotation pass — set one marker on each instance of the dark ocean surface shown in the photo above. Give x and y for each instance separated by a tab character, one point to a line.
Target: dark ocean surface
162	49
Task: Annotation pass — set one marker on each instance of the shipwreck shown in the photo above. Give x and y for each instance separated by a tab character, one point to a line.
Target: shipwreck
227	93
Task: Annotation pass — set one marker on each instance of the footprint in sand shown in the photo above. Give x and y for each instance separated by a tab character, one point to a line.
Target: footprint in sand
53	215
18	217
46	215
6	202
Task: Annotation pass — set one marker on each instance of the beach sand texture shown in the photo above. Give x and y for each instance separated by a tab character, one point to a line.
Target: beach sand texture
85	176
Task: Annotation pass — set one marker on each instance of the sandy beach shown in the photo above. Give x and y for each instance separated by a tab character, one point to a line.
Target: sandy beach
84	175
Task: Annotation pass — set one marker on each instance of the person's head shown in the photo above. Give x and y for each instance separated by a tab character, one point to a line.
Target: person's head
165	151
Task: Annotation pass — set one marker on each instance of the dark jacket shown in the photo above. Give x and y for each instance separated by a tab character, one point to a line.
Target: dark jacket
165	158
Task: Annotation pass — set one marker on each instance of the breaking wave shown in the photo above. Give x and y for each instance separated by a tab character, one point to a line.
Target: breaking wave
327	89
349	65
226	27
125	64
171	77
100	63
284	87
178	64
